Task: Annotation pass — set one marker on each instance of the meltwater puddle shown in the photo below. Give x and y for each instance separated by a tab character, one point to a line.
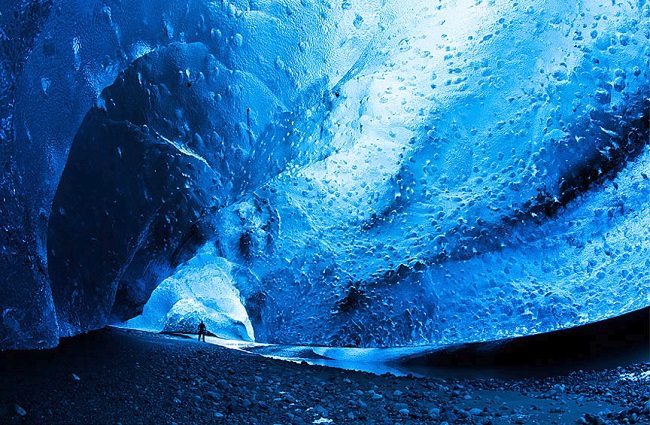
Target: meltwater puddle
372	360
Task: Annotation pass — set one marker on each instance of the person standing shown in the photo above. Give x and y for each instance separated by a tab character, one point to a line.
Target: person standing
202	331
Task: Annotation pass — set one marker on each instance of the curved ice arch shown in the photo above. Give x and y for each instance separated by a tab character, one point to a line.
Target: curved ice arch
200	289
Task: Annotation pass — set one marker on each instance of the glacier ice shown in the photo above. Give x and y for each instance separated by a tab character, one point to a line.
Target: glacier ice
201	289
367	173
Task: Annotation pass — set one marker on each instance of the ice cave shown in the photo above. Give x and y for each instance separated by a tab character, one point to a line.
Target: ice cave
367	173
362	212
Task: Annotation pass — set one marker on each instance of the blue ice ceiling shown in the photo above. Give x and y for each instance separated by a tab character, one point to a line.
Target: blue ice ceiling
365	173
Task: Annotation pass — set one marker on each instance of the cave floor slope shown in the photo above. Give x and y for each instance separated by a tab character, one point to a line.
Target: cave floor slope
131	377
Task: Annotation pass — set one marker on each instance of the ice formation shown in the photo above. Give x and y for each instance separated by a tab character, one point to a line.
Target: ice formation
368	173
201	289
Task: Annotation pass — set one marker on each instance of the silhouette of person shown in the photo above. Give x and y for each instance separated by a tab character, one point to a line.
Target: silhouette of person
202	331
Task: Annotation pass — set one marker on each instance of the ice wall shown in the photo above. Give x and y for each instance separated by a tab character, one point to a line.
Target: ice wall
411	172
496	184
59	56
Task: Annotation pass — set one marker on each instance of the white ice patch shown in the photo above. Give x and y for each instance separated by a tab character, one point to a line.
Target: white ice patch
200	289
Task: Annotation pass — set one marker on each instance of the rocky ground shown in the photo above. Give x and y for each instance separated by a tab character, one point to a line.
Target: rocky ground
128	377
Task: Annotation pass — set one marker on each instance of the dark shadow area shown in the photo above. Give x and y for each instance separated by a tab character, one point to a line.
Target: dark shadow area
83	351
609	343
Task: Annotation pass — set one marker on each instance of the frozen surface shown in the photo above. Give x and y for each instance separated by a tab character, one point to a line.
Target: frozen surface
367	173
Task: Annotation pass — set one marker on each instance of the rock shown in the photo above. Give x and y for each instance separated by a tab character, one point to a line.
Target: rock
475	411
405	412
592	419
646	407
213	395
557	389
19	410
434	412
321	411
223	384
218	415
397	393
291	399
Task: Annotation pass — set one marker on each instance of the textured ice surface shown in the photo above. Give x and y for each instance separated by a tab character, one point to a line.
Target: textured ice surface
496	186
375	172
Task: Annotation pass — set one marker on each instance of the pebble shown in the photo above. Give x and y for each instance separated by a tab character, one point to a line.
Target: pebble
475	411
434	412
558	389
19	410
321	411
291	399
223	384
213	395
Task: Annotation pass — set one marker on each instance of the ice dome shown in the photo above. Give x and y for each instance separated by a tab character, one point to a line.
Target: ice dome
366	173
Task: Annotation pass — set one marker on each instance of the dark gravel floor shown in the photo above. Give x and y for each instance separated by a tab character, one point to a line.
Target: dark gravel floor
116	376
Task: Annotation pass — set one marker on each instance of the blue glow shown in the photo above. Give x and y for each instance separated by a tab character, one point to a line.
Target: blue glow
376	173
